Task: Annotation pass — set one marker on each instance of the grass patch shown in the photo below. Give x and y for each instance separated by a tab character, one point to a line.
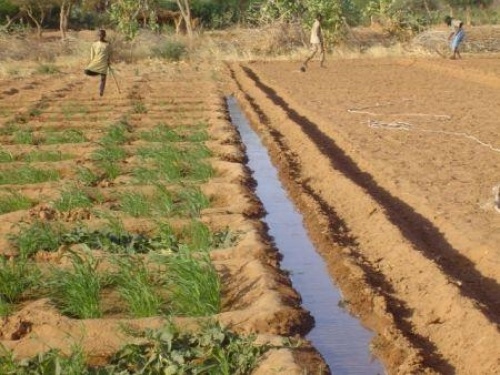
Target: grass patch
139	107
191	201
139	287
66	136
11	201
70	109
6	157
87	176
117	133
174	164
77	291
73	197
39	236
47	69
27	175
195	286
16	277
43	156
171	50
25	137
164	133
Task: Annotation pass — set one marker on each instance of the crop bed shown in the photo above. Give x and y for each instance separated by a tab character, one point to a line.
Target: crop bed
130	234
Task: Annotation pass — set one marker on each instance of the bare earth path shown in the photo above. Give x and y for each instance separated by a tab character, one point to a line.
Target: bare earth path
395	166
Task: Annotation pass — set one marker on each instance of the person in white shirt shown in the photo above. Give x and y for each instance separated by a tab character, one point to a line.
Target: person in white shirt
317	44
100	60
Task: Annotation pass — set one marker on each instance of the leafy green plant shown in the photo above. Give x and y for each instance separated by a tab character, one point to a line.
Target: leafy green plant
39	236
195	286
77	291
212	351
11	201
27	175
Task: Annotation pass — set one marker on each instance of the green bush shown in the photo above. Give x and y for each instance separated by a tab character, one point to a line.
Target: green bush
171	50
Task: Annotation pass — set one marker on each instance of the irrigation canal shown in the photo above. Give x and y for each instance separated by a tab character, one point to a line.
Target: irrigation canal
338	336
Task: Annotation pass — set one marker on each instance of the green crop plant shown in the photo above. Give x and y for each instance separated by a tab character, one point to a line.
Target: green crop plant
139	107
194	284
27	175
212	350
139	286
24	137
10	127
173	164
197	236
11	201
164	133
138	204
190	201
43	156
108	153
6	157
87	176
135	204
16	277
52	362
117	134
73	197
38	236
72	108
76	291
66	136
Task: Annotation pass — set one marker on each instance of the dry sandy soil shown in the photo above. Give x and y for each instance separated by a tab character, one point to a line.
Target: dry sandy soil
394	163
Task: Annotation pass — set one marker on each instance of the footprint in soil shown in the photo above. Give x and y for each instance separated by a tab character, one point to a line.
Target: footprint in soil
23	329
12	91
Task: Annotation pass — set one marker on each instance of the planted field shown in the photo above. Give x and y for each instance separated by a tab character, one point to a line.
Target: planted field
130	234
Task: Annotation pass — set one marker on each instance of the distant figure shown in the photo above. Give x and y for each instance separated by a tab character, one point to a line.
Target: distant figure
456	36
100	59
317	44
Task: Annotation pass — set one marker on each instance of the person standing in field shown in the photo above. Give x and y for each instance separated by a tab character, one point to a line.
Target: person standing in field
317	44
456	36
100	59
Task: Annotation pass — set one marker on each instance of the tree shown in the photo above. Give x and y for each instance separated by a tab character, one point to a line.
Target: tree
185	10
36	10
65	7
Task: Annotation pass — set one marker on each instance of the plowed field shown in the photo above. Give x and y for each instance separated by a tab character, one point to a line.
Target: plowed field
395	165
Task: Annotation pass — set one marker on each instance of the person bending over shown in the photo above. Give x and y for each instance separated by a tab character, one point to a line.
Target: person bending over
100	59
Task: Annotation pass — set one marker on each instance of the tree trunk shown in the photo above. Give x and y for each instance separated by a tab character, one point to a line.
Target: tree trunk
38	22
64	18
186	15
